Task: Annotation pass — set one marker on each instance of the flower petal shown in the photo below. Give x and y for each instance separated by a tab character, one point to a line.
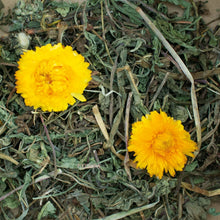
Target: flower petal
80	97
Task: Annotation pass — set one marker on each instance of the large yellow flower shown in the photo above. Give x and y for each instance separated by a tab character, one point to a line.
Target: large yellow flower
52	77
160	144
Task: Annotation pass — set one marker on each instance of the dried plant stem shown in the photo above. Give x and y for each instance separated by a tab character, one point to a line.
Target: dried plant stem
8	64
127	114
40	179
196	75
111	89
182	66
103	36
124	214
199	190
6	157
103	129
51	144
158	91
100	122
62	27
109	14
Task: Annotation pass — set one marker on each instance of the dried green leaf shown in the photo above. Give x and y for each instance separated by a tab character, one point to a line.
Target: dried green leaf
11	202
192	166
2	186
63	11
195	211
139	42
164	186
127	10
83	199
47	210
212	211
71	163
27	181
179	113
187	5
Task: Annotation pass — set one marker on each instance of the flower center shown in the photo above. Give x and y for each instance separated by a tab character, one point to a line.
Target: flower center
51	78
163	143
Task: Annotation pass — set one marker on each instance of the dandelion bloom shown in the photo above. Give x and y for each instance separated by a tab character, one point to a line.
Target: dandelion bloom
160	144
52	77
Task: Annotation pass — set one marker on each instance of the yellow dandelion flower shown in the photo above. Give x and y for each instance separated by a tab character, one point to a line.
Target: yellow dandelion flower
160	144
52	77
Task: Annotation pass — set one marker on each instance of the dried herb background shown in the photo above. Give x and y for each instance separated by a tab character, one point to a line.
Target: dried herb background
133	73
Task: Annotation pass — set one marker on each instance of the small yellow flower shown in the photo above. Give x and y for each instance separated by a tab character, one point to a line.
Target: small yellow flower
160	144
52	77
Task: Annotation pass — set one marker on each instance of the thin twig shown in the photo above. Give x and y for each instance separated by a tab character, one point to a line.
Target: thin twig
109	14
51	144
196	75
127	114
103	35
8	64
45	177
158	90
151	9
111	89
130	212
